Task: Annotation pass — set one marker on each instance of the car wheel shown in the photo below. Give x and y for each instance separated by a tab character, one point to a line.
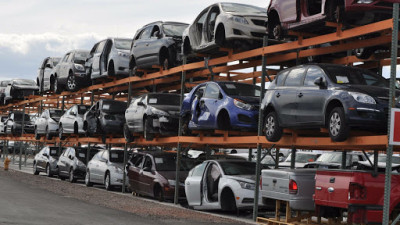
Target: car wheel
275	29
135	72
87	179
220	39
146	133
13	132
338	129
273	131
111	70
71	83
159	194
59	175
127	133
35	171
37	136
363	53
166	64
48	172
48	135
107	182
61	132
71	179
56	87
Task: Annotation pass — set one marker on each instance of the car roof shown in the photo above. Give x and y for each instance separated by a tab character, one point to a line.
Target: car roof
165	22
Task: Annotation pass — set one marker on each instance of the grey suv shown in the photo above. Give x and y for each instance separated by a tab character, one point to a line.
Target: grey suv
326	95
157	43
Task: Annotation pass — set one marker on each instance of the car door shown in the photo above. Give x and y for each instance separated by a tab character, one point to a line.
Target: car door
195	104
45	158
288	10
63	67
62	162
70	119
91	118
154	44
130	113
139	113
39	159
146	176
96	59
134	170
285	99
41	121
208	106
104	57
48	68
193	185
140	46
95	170
311	98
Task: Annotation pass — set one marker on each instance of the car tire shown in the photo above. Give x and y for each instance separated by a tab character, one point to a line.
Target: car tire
148	136
228	202
220	39
71	83
363	53
134	71
60	132
336	12
111	70
276	30
37	136
273	131
48	171
127	134
159	194
107	182
166	63
56	86
337	127
71	177
59	175
87	179
35	171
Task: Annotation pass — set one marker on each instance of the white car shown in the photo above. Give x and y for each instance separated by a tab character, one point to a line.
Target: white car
3	118
47	123
221	184
71	122
106	167
223	24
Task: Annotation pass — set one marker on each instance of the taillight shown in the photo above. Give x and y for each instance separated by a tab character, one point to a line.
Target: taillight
293	187
357	191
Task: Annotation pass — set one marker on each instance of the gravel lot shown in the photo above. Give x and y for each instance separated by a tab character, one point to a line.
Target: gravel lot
114	200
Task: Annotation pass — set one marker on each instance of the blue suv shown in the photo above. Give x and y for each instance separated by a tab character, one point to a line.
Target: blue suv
222	106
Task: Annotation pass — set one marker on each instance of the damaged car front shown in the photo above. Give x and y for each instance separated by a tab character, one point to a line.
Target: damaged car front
18	89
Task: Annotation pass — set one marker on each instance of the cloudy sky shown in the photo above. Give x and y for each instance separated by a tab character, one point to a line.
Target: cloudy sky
32	30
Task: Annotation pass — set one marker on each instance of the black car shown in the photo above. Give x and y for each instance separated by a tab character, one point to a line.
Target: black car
18	89
13	124
70	73
105	117
157	43
326	96
46	161
72	162
152	113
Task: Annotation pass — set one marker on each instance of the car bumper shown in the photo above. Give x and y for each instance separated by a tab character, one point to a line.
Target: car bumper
117	179
80	172
169	192
249	31
245	199
368	117
244	119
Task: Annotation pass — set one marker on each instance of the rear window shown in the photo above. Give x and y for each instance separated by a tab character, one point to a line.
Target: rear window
56	113
123	44
238	168
164	100
114	107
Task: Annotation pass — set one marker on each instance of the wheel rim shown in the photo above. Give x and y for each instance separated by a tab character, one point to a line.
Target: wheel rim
55	85
60	132
87	178
107	183
71	82
335	124
71	175
277	31
270	126
34	168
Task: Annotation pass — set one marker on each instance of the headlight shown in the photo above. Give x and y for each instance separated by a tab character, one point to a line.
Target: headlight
242	105
365	1
239	19
79	67
246	185
159	112
123	54
363	98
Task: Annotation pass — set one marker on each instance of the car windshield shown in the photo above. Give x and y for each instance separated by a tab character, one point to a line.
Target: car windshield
332	158
56	113
238	168
80	57
164	100
168	163
352	76
117	156
81	153
174	29
25	82
241	8
18	117
82	109
302	158
123	44
238	89
114	107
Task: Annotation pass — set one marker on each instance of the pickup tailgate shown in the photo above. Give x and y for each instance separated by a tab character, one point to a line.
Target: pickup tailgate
275	184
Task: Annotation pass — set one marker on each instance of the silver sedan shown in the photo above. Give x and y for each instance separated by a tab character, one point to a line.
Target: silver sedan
72	121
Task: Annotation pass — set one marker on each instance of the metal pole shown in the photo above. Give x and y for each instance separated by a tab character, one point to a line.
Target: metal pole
293	158
178	153
375	162
260	133
7	148
344	159
125	162
392	96
250	154
88	154
62	103
20	143
25	158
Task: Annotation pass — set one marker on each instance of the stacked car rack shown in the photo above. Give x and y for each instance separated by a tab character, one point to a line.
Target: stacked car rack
178	79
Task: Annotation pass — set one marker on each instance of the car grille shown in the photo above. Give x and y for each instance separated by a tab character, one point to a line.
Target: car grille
259	22
259	35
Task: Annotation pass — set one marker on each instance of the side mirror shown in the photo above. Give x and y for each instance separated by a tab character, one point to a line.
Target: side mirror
147	169
320	82
141	104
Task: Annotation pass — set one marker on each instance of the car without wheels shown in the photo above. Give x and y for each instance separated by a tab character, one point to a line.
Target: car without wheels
70	73
47	123
19	89
45	73
151	114
107	168
109	57
335	97
46	161
226	25
71	122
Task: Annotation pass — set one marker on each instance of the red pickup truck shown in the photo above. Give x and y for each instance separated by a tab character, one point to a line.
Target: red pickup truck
358	192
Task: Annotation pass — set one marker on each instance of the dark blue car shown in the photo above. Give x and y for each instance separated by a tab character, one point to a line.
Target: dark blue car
222	106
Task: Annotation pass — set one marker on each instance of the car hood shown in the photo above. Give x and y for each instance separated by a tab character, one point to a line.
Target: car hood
373	91
248	99
170	175
245	178
26	87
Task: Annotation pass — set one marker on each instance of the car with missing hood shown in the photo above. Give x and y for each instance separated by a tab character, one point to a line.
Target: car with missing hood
155	113
45	71
70	73
46	161
221	105
47	123
71	122
157	43
226	24
105	117
109	57
153	174
222	184
18	89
